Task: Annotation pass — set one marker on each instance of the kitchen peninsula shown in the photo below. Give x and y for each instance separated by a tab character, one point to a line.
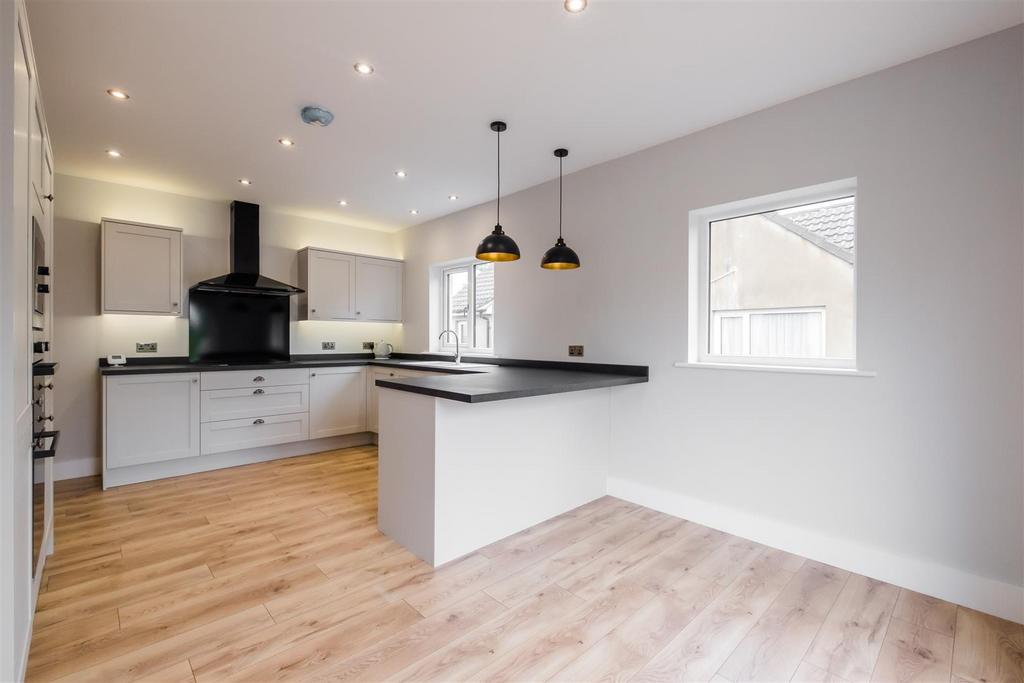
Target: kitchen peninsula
463	465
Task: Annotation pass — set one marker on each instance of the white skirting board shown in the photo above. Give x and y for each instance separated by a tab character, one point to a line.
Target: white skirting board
978	592
75	468
120	476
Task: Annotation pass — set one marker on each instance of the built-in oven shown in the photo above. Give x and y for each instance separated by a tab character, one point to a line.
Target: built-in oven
44	444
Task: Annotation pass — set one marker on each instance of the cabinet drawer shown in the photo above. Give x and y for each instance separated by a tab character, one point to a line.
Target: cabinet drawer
231	404
233	435
236	379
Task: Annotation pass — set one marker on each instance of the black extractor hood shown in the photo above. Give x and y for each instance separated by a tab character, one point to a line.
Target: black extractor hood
245	277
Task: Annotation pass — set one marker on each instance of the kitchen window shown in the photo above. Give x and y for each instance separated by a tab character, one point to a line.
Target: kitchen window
773	280
467	306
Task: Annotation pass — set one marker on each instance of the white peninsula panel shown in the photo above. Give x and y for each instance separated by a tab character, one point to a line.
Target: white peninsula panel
457	476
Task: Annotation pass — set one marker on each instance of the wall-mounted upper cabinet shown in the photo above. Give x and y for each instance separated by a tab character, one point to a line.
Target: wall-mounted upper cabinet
341	286
141	268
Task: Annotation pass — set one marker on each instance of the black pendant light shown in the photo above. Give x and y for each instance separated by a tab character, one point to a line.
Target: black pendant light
560	256
498	246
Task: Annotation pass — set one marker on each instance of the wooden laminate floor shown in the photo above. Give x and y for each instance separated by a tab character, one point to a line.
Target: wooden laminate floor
276	571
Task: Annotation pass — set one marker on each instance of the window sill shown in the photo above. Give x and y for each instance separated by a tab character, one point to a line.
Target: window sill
791	369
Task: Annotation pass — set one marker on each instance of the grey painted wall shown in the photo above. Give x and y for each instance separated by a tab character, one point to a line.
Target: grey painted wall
924	460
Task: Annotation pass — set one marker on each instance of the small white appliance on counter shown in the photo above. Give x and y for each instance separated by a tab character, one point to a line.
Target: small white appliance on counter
382	350
116	359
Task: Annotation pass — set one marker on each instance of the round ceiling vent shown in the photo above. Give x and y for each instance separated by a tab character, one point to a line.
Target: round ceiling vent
316	116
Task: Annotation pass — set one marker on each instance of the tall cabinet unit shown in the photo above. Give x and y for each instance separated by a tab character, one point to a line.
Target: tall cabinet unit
26	234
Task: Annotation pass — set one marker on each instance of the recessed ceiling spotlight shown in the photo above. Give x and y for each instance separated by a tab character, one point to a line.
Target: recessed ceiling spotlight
113	153
244	181
399	173
575	6
363	68
453	197
285	142
413	211
342	202
118	94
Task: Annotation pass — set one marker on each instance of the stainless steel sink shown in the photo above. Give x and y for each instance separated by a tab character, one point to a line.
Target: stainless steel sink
444	364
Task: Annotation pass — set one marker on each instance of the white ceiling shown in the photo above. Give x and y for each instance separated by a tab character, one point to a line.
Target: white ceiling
214	84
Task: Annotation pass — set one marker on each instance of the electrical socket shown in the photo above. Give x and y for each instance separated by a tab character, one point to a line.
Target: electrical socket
145	347
367	346
326	346
575	349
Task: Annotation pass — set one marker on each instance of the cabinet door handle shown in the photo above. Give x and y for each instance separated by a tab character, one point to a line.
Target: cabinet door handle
258	392
195	380
48	196
312	374
258	378
44	418
258	421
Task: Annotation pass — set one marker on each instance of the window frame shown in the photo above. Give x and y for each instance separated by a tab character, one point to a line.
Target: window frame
699	319
446	344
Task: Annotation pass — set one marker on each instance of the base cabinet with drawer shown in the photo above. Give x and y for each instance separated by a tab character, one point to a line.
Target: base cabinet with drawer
372	393
151	418
253	432
161	425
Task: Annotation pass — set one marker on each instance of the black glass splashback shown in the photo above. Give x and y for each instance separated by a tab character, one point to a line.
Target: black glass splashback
227	327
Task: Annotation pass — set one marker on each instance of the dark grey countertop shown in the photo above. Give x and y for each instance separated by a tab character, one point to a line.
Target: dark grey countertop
501	383
485	379
161	368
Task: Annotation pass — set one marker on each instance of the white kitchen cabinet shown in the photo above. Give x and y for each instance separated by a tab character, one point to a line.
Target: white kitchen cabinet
337	401
329	278
378	289
151	418
239	379
141	268
342	286
253	432
232	404
41	167
372	393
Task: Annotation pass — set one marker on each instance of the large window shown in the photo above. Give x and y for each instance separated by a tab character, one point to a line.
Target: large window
467	306
774	279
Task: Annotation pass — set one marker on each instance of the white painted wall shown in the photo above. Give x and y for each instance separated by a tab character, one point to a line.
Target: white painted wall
82	334
914	475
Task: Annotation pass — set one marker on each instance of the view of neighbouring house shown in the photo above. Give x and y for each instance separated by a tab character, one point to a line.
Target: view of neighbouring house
804	309
458	300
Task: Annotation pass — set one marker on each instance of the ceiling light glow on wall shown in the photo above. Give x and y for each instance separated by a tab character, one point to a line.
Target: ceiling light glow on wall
113	153
399	173
244	181
342	202
453	197
413	212
575	6
118	94
363	68
285	142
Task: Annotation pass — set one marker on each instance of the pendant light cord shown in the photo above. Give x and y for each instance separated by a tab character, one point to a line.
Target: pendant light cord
559	197
499	177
